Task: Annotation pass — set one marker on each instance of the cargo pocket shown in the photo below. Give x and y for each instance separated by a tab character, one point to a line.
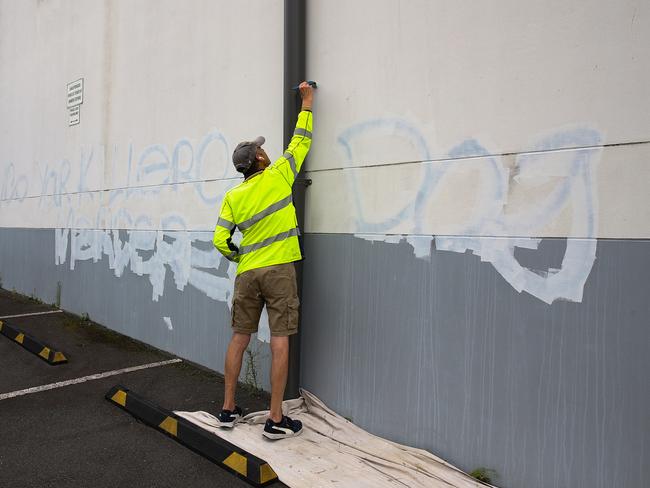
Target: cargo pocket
232	311
293	304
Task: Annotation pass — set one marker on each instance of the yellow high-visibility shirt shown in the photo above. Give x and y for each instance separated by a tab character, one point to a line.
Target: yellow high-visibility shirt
261	207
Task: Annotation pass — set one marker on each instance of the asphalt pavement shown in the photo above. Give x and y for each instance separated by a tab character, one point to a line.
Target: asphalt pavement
71	436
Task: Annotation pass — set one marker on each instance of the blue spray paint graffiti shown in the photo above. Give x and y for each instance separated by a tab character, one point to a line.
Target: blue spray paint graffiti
13	187
573	189
155	167
158	165
430	179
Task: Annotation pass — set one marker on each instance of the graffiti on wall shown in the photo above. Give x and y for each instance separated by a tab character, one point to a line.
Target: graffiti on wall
135	173
14	187
492	231
127	241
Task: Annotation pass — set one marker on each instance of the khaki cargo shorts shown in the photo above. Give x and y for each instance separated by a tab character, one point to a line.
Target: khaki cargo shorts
274	285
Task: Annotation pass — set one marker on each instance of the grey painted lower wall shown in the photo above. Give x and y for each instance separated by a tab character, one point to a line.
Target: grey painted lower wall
441	353
444	354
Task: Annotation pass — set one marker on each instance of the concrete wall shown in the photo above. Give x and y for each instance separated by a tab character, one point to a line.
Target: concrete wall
477	231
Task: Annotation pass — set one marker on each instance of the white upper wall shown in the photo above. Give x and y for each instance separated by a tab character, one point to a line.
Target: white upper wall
504	72
489	92
43	47
170	89
182	69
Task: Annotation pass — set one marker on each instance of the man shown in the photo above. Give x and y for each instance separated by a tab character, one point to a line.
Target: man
261	207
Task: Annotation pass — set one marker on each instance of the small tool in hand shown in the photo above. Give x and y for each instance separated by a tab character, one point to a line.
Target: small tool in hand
311	83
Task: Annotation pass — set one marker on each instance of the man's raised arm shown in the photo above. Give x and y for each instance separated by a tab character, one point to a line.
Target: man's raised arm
291	161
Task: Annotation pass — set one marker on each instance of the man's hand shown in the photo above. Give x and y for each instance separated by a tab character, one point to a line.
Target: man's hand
307	95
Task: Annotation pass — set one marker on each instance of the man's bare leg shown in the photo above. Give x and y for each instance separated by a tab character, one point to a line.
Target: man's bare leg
279	372
234	356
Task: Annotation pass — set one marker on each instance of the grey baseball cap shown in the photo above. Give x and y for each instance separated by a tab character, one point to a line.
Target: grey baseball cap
245	153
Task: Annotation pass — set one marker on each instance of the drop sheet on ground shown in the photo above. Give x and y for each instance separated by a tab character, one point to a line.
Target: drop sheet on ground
333	452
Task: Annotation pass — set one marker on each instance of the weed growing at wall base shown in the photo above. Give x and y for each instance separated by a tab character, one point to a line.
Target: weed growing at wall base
250	377
484	474
34	297
58	294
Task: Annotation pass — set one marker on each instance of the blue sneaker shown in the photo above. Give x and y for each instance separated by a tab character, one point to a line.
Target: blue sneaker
228	418
279	430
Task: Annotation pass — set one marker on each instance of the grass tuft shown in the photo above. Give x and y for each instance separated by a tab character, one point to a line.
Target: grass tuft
485	475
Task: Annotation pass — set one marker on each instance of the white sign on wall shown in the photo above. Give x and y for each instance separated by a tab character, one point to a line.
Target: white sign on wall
74	100
75	93
74	115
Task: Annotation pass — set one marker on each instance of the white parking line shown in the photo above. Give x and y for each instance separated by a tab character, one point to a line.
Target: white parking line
92	377
30	314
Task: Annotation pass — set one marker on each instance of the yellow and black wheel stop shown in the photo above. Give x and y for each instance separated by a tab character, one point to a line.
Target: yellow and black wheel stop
250	468
43	351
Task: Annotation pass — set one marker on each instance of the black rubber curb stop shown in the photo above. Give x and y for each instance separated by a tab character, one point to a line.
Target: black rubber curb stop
250	468
43	351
